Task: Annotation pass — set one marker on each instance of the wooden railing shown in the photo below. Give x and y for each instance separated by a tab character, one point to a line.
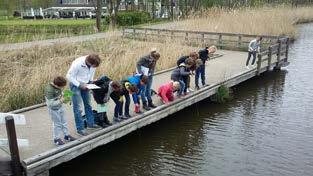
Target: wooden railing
271	47
219	39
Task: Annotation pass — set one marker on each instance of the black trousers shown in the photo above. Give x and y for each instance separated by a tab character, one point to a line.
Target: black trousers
251	53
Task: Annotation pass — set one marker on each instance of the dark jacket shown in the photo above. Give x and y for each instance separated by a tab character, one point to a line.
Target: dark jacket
204	55
179	72
146	61
181	60
101	94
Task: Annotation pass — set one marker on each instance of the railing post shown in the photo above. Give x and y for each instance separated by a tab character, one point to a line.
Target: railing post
269	61
202	39
277	67
287	49
15	156
259	64
239	40
123	32
186	36
134	33
220	40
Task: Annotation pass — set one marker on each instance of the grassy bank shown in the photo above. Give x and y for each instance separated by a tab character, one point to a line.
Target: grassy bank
13	31
24	73
279	20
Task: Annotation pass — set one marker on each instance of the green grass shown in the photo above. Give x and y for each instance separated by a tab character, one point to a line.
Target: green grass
17	30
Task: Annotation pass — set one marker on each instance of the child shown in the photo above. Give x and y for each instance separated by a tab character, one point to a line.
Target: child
200	71
102	96
140	81
166	91
54	101
126	89
181	74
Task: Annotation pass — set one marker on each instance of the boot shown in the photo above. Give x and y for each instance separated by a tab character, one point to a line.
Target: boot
106	120
150	104
145	106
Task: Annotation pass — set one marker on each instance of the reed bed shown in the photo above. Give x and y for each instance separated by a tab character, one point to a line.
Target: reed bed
24	73
279	20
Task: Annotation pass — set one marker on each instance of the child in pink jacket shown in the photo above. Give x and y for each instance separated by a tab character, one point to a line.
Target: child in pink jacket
166	91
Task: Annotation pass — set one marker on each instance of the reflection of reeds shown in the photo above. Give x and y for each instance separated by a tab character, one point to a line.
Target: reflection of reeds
266	20
24	73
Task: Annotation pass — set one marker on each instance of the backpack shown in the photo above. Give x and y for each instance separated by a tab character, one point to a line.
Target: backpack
99	94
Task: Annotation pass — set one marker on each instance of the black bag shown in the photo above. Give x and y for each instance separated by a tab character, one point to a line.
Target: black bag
101	119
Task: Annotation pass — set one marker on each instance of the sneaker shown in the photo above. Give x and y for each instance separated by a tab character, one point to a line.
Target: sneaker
190	90
94	126
82	133
247	67
116	119
127	116
139	112
197	87
58	142
69	138
146	107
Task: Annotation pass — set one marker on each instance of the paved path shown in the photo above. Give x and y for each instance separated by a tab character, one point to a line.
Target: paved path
38	129
82	38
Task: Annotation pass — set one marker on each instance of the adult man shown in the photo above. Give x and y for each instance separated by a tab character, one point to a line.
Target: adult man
146	66
254	47
79	75
200	72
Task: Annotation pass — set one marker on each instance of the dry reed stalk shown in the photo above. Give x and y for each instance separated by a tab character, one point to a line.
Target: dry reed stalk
24	73
279	20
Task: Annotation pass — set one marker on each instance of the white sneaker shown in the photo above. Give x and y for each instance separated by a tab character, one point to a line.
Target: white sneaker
190	90
247	67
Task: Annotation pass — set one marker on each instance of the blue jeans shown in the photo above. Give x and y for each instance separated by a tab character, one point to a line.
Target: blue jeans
182	87
200	72
118	110
147	92
79	96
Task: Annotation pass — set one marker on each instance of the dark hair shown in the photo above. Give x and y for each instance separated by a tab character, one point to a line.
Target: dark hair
59	81
193	55
133	88
116	86
144	79
155	55
93	59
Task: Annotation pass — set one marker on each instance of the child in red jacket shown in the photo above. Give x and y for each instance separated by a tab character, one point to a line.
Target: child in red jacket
166	91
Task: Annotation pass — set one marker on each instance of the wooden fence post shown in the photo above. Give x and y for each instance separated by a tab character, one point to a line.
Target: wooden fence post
134	33
259	64
186	37
220	40
269	60
287	49
202	39
146	35
15	156
277	67
239	40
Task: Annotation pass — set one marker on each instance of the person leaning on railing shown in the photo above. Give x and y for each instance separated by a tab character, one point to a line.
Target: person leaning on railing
253	49
148	62
81	73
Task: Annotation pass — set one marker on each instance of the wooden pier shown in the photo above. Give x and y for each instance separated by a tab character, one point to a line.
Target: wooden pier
228	68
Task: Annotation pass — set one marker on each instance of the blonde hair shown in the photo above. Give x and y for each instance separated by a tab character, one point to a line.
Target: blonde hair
212	49
176	85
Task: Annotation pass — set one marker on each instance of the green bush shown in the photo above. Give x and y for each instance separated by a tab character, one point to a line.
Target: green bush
129	18
223	94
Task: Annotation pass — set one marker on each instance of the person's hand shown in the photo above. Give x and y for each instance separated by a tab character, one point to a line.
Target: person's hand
62	99
83	86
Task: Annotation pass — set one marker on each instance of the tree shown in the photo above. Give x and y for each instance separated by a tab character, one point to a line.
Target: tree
113	6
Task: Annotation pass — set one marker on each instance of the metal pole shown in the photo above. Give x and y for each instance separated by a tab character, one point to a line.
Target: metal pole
15	156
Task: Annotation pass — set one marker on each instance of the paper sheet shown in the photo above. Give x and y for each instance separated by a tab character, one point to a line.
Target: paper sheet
92	86
101	108
145	70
